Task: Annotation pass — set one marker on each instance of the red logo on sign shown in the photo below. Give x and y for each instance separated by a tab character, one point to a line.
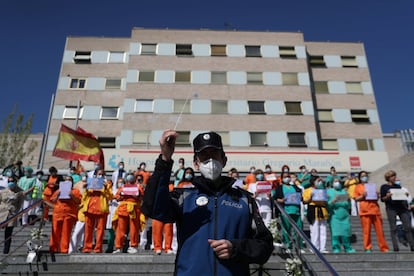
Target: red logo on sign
354	161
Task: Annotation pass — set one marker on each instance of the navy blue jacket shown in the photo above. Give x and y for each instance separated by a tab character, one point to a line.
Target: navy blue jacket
203	213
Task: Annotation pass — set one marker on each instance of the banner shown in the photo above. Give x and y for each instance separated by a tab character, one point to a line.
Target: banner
78	145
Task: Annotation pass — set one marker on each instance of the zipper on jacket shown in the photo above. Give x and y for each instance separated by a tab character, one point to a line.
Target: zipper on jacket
215	230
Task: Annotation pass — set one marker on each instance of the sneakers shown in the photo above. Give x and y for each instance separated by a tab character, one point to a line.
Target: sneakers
368	251
324	251
117	251
157	252
302	251
132	250
350	251
169	251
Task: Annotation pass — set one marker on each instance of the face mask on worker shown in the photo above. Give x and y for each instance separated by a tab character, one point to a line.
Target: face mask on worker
364	179
11	185
259	177
337	185
286	180
397	182
319	185
188	176
211	169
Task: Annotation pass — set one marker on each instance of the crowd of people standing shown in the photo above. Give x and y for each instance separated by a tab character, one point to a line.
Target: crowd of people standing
82	207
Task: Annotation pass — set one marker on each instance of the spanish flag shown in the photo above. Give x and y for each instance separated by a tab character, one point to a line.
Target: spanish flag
78	144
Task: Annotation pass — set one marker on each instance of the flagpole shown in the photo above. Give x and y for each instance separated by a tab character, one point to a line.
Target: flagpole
76	125
46	134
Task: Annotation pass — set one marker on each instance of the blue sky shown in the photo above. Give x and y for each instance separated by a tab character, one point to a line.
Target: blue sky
33	35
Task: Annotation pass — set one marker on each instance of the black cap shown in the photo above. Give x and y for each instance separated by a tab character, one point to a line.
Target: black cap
207	140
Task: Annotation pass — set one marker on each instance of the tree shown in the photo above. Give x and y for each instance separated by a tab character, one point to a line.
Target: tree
14	144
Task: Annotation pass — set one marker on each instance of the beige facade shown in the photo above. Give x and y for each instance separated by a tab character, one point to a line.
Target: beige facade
275	98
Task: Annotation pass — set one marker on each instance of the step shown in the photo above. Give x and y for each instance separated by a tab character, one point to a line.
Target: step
110	264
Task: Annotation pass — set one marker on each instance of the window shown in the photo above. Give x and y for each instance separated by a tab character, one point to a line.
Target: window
317	62
116	57
321	87
218	107
218	50
183	76
290	79
253	51
113	84
256	107
143	106
148	49
183	50
70	112
364	144
82	57
254	78
258	139
146	76
293	108
353	87
141	137
359	116
181	106
109	113
219	77
287	52
107	142
296	139
78	83
349	61
183	139
225	139
330	144
325	115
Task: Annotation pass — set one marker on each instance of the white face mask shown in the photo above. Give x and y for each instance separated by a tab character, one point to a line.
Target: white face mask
337	185
286	180
211	169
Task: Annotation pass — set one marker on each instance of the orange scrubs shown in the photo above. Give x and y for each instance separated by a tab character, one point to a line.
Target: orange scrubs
162	231
95	208
127	216
65	215
370	214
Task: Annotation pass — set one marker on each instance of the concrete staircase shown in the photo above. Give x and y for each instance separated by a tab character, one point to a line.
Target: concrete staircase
145	263
361	263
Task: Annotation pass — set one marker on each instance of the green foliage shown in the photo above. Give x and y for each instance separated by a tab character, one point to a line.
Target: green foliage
13	139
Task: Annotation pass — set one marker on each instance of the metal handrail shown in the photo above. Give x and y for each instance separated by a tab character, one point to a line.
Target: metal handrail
19	214
300	233
15	217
